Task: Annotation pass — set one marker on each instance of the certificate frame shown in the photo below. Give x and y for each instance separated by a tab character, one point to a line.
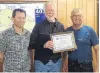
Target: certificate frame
55	38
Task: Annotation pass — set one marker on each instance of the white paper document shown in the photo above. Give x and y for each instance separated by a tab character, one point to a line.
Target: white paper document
63	42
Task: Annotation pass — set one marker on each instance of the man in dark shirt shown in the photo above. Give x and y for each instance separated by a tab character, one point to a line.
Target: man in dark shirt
45	59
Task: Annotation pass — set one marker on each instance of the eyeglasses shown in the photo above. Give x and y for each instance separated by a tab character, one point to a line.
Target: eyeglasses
77	16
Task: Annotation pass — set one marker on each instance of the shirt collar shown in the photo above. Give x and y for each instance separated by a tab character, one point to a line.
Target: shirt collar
14	32
77	29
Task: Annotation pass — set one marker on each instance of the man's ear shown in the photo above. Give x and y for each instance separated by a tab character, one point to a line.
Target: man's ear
71	17
12	18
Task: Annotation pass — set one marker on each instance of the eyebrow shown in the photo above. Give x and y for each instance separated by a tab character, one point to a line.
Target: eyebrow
76	14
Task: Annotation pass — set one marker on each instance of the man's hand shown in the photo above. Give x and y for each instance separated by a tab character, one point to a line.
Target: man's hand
65	67
97	70
48	44
31	53
64	61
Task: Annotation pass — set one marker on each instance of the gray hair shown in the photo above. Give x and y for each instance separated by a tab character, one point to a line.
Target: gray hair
77	10
48	3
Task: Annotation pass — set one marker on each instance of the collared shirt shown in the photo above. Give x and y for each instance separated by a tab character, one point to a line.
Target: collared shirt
85	38
15	48
40	35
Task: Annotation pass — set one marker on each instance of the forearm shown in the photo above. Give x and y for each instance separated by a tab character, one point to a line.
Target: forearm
97	57
31	53
96	49
65	57
64	62
1	62
1	65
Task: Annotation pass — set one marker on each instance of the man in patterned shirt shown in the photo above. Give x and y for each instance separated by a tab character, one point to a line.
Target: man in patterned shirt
14	43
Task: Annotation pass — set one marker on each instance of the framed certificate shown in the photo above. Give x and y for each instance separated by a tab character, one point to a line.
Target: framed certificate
63	41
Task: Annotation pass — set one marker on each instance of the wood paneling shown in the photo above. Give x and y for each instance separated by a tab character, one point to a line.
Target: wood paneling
61	11
70	5
90	13
89	8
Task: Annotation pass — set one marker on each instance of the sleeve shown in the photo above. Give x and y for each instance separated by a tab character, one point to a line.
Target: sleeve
68	29
62	28
93	38
37	40
3	44
33	37
40	41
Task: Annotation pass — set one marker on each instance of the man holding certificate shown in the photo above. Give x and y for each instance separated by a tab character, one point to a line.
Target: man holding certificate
40	41
80	60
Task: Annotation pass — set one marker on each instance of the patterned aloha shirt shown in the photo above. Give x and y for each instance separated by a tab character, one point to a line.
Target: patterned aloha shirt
15	48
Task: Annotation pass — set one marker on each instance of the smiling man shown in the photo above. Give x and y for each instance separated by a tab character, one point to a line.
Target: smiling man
14	44
45	59
80	60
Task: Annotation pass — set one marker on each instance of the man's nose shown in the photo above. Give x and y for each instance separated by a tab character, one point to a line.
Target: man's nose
77	17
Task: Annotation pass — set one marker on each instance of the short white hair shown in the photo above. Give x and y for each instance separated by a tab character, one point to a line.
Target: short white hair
77	11
49	3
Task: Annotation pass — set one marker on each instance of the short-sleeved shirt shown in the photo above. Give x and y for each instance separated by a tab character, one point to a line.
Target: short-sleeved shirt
40	35
15	48
85	38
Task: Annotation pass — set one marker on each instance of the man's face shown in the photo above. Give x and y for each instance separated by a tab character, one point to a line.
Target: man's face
50	12
77	19
19	19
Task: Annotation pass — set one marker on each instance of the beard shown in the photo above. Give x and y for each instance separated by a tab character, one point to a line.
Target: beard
51	19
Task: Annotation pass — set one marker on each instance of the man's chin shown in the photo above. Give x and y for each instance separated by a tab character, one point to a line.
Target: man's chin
77	24
20	26
51	19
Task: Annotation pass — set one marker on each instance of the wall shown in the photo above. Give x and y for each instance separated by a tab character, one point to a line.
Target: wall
64	8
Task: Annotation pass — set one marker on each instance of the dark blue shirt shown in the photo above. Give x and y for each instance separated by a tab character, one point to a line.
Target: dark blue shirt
85	38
